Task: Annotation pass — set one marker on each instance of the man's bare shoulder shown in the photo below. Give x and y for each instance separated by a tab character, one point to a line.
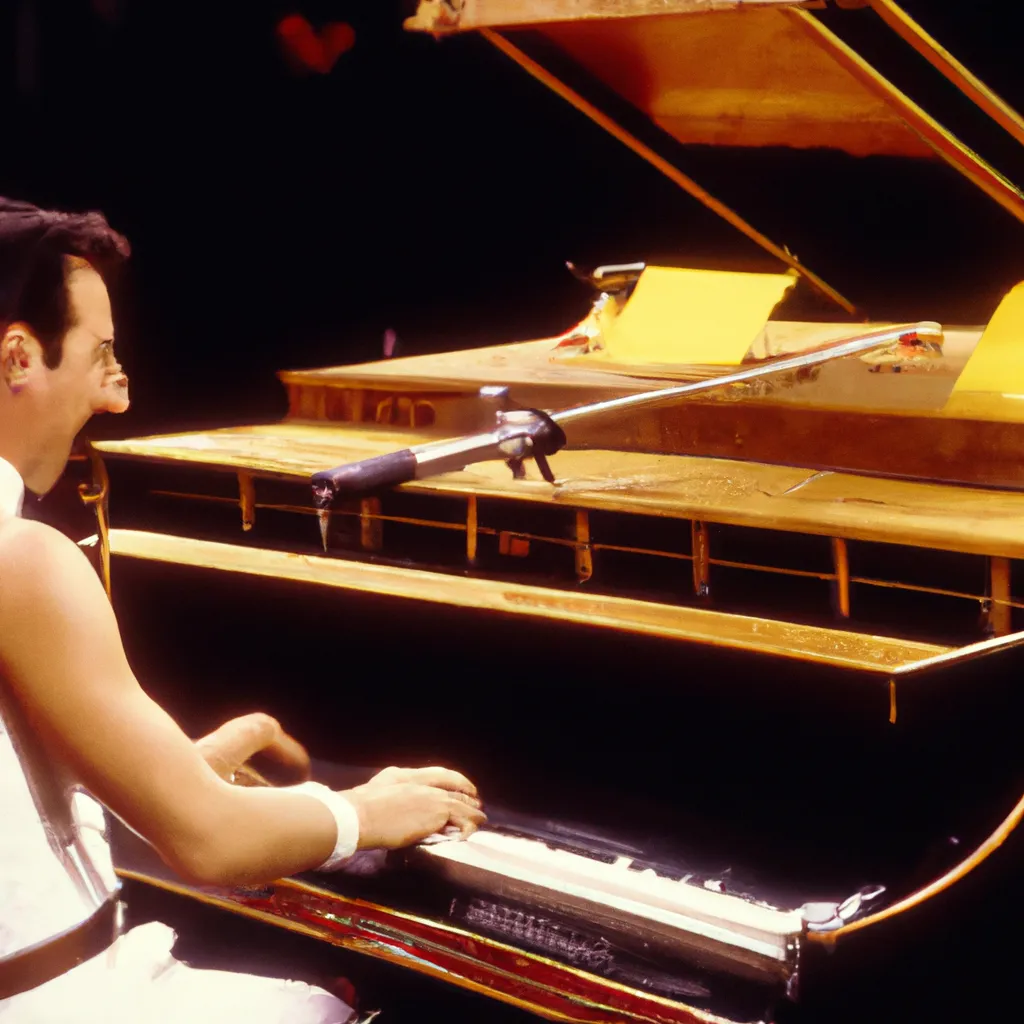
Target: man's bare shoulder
39	561
22	539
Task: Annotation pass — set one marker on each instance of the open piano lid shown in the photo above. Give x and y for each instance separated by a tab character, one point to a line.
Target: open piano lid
780	76
771	83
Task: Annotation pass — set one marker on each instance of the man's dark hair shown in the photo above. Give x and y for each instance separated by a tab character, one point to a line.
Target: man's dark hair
36	247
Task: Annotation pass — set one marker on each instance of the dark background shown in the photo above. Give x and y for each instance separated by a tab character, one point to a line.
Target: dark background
281	220
285	220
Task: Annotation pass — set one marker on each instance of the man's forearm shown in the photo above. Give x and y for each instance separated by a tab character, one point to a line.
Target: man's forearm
256	835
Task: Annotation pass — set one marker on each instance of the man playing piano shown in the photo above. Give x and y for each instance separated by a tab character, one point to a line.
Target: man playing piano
73	718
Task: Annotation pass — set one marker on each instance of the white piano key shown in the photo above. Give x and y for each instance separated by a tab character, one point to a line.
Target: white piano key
690	908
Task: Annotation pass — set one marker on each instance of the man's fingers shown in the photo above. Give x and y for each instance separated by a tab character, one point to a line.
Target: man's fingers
439	778
464	816
443	778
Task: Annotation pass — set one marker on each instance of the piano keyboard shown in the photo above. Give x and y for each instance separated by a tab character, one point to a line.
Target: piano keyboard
677	915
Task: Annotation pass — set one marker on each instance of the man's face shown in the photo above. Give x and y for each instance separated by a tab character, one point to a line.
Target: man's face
88	380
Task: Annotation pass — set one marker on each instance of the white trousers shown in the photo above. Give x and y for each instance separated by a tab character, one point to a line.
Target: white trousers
138	981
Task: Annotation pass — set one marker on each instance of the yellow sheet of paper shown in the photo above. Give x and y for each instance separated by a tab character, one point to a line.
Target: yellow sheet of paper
997	363
681	316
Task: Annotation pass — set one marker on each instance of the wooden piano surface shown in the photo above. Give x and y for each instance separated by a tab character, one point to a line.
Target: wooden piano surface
719	490
834	647
541	362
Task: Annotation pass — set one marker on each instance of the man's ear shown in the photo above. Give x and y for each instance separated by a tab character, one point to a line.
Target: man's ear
20	355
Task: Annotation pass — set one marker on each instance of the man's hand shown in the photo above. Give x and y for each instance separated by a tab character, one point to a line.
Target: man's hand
397	814
226	749
442	778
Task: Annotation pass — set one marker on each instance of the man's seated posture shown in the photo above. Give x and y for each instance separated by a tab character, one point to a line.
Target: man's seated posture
74	720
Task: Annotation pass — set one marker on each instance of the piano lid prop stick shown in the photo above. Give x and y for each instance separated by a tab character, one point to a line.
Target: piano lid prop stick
521	434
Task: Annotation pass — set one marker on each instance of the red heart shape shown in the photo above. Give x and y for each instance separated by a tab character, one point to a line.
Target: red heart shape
337	37
314	51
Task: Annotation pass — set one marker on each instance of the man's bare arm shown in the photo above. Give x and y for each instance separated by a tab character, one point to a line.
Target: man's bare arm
61	652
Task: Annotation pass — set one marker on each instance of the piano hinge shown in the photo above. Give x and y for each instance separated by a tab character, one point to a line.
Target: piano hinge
584	552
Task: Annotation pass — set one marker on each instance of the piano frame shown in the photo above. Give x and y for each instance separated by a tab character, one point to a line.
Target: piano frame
832	495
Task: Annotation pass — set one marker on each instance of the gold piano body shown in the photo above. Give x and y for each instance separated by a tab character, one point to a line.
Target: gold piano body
849	542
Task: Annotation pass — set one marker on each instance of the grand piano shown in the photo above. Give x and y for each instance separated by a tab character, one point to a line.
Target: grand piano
737	673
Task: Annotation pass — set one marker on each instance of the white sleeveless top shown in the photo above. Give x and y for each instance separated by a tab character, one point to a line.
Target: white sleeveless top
55	864
56	870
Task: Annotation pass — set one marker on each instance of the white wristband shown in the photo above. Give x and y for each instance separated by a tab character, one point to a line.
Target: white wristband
345	818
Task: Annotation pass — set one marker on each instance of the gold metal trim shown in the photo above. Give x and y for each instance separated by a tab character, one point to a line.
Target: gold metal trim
940	139
942	60
444	17
98	497
835	647
380	950
950	878
960	655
